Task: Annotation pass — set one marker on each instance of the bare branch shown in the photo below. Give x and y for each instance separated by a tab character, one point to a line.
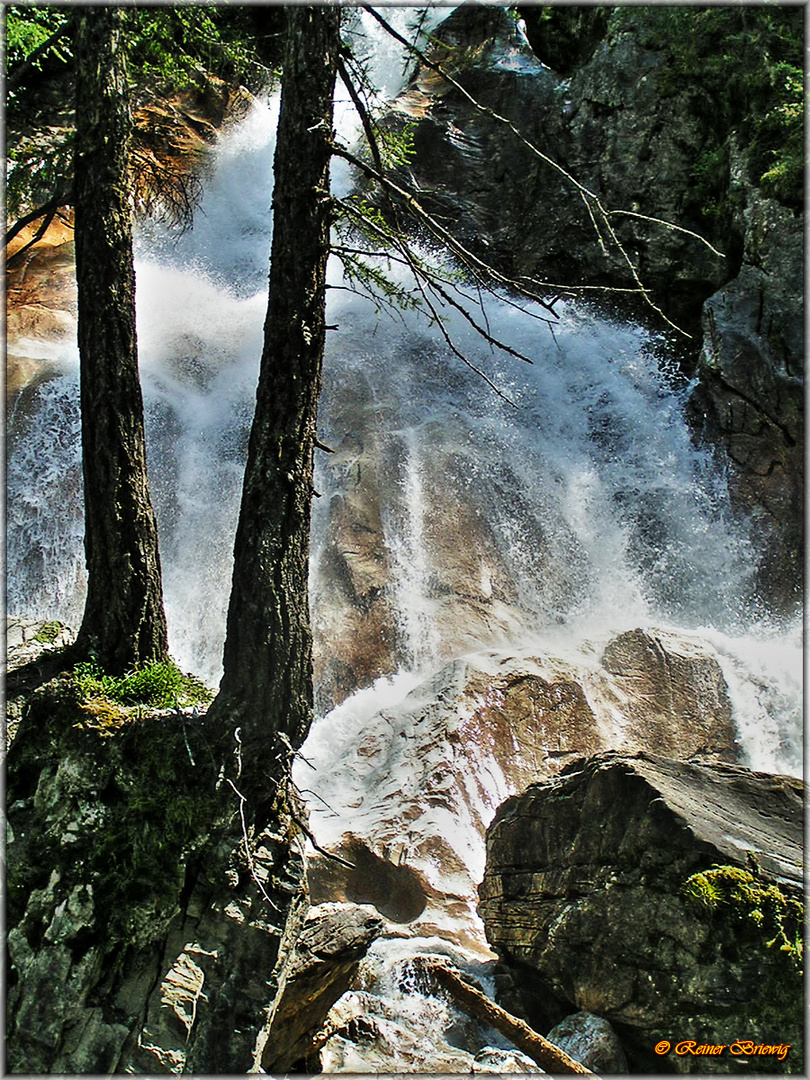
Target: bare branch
442	292
48	211
246	842
455	350
669	225
590	198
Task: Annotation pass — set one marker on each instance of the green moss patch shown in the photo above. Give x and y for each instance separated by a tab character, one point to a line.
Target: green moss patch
778	917
49	632
161	685
761	924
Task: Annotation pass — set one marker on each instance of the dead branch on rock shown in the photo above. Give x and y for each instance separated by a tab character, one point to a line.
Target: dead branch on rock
474	1001
48	211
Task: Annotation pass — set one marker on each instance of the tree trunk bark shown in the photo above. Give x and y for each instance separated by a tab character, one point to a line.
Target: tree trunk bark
124	621
266	688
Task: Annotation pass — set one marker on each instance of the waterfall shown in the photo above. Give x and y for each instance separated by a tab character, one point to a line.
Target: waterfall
594	508
574	507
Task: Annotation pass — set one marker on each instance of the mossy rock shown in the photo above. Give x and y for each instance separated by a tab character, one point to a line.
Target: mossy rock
120	799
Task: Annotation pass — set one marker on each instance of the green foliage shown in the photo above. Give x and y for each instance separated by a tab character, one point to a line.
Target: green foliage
745	63
758	928
783	128
171	46
710	174
751	902
28	27
396	147
158	684
37	167
49	632
368	264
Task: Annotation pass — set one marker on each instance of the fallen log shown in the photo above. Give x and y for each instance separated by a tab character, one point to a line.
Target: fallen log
473	1001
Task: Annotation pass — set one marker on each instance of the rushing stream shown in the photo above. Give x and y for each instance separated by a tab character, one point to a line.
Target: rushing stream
595	510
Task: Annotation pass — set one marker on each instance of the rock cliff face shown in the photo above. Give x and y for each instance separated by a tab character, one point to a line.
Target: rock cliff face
140	937
608	123
584	895
750	395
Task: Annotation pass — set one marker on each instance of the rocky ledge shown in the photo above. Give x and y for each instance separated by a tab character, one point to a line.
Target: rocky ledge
585	895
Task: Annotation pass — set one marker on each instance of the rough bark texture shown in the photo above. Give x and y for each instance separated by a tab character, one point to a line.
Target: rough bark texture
266	688
147	940
124	622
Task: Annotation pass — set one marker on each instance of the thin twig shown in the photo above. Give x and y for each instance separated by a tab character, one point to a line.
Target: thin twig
321	851
248	856
669	225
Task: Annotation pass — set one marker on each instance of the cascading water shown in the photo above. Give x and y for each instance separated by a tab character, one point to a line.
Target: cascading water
578	508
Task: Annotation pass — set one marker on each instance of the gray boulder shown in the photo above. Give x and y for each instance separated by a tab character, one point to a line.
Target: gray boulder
591	1041
584	895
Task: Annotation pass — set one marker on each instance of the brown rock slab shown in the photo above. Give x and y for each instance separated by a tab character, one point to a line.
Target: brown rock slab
327	954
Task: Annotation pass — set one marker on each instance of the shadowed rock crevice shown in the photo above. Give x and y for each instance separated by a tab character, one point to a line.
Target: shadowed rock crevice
394	890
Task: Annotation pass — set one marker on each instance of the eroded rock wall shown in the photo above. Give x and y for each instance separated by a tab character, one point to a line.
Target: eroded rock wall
141	936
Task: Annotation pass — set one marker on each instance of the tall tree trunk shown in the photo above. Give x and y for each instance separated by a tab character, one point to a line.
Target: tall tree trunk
266	688
124	622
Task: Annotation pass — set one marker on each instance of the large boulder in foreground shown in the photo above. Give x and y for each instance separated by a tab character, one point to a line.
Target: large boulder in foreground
584	893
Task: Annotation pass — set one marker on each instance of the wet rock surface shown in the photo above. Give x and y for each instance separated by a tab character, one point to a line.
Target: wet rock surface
420	783
751	391
608	123
183	980
583	895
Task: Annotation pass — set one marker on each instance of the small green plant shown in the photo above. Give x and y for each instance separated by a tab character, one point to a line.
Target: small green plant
159	684
49	632
777	917
743	66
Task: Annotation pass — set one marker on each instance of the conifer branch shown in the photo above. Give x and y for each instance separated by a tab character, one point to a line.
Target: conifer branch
424	276
433	226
